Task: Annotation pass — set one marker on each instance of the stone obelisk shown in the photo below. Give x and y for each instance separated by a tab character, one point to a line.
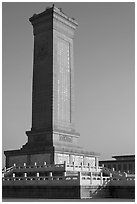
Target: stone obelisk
52	138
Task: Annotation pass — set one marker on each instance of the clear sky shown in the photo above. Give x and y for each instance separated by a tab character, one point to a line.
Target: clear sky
104	74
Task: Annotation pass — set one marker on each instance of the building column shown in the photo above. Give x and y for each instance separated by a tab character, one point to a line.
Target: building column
70	159
84	162
79	175
96	163
81	166
73	166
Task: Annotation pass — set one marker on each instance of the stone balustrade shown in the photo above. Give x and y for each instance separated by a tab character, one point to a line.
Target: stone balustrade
80	179
64	178
55	167
37	166
40	178
87	168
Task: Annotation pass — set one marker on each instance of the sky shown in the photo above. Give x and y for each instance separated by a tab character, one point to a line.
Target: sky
104	74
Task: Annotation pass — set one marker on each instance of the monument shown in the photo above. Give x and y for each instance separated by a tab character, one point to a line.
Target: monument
52	138
52	164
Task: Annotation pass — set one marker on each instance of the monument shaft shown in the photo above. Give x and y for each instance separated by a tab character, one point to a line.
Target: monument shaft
53	75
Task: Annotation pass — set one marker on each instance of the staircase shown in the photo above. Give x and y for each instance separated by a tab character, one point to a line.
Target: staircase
8	171
103	190
112	172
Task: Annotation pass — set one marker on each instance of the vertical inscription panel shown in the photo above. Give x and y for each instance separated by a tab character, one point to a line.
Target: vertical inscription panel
63	81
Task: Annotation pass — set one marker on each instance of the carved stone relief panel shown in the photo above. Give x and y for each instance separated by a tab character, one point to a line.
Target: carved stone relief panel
89	160
78	160
60	158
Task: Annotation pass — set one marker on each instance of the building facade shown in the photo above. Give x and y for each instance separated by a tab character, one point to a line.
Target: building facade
125	163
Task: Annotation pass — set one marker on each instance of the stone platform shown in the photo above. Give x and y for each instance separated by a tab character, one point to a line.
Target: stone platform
64	181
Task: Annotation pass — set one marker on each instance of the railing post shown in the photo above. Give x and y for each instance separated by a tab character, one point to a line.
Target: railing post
125	174
13	175
14	165
25	175
50	174
45	163
65	173
101	178
37	174
35	164
24	164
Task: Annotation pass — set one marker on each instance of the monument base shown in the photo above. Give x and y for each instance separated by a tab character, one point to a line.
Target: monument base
51	155
51	147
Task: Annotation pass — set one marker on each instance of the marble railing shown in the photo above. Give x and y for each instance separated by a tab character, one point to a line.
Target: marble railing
54	180
87	168
52	168
122	182
94	180
25	168
59	180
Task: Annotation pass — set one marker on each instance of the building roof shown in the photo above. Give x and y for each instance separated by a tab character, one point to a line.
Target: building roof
116	161
124	157
120	158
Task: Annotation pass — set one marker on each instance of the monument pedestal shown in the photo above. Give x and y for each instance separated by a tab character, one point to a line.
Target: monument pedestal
52	147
